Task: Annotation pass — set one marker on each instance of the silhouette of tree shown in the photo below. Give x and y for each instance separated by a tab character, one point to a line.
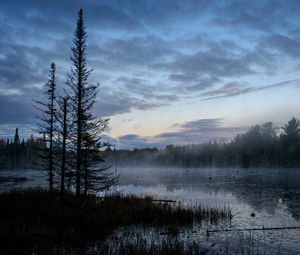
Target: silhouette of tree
46	123
292	129
290	142
87	129
17	138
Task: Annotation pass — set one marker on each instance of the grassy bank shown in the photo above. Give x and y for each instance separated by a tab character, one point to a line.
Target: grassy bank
32	218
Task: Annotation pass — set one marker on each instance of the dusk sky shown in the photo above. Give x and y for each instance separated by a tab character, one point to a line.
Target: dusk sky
171	71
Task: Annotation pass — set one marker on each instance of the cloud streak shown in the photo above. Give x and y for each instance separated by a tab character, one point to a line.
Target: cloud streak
237	89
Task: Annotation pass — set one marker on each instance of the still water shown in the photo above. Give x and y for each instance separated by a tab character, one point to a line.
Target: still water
273	195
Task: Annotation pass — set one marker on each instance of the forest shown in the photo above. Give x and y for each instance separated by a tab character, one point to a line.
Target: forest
261	146
16	154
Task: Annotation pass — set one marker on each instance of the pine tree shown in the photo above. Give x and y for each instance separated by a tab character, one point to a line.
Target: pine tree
87	129
46	123
17	138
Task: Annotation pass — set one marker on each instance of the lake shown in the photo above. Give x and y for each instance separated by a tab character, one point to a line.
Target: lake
273	195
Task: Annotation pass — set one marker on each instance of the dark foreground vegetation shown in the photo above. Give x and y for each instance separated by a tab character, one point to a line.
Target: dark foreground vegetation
36	219
142	246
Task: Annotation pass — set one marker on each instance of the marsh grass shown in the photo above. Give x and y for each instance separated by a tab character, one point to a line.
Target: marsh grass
132	242
34	217
173	246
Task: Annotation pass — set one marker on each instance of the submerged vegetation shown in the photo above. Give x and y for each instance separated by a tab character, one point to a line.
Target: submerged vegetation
35	217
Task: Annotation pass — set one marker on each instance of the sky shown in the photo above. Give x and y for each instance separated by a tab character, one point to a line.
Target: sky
170	71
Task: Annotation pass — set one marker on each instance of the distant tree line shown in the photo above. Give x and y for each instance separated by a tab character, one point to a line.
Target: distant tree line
16	154
261	146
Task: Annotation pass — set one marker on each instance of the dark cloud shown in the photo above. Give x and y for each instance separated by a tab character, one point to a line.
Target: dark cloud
264	16
17	67
137	86
110	103
199	131
142	88
132	141
122	54
203	83
187	84
220	62
242	19
181	78
16	109
23	72
61	12
228	89
160	13
287	45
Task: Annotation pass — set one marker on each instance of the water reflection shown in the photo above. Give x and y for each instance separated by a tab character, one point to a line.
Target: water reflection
271	194
264	190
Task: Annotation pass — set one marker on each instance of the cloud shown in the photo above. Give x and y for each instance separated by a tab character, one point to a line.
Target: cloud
63	12
132	141
263	16
142	88
199	131
219	62
110	103
14	109
23	73
236	89
18	67
137	51
286	45
158	14
227	90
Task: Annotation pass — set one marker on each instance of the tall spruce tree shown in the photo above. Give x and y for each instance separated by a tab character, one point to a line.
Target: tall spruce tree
46	121
17	138
87	129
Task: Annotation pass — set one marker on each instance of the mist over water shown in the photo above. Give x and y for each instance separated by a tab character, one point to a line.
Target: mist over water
273	195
